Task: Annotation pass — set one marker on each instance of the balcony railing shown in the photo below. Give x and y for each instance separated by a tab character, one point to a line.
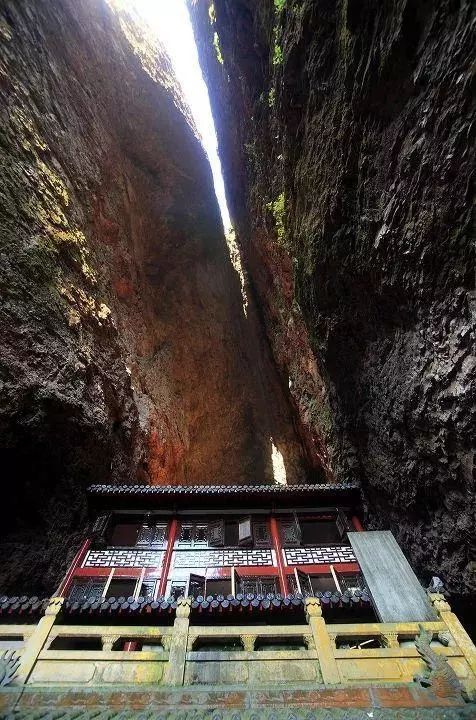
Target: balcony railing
184	557
184	653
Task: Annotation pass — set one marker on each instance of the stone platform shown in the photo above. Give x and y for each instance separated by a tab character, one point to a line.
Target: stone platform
210	703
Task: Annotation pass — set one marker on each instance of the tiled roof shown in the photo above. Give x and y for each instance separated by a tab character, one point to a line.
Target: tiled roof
118	607
115	608
219	489
30	609
278	603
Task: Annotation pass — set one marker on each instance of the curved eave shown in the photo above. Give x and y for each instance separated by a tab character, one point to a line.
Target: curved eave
201	496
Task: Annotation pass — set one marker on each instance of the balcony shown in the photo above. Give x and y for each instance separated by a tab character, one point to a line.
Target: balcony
306	653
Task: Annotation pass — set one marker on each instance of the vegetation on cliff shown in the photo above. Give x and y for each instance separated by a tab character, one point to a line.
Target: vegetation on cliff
345	134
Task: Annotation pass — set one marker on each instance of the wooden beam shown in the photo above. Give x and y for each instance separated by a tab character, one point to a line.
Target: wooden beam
78	560
274	529
172	534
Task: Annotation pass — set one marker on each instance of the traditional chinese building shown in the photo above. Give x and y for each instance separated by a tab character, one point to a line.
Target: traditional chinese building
151	542
234	598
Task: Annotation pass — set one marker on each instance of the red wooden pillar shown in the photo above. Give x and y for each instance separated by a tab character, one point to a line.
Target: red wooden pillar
357	524
130	646
172	534
78	559
279	554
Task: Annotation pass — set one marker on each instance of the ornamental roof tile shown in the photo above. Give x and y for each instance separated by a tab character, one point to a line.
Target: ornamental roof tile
12	606
219	489
249	603
117	608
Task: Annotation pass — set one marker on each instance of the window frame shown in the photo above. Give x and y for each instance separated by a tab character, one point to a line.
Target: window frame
300	577
252	541
193	542
119	578
258	581
89	582
159	529
337	517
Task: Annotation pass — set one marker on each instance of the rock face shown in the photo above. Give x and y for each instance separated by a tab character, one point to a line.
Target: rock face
345	133
125	352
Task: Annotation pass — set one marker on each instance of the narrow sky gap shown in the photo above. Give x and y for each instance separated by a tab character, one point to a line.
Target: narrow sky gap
171	21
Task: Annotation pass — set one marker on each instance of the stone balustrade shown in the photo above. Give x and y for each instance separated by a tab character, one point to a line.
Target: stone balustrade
309	653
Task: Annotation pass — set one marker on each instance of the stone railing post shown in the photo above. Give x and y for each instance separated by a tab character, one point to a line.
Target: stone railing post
108	642
454	626
390	640
322	641
248	642
38	638
174	673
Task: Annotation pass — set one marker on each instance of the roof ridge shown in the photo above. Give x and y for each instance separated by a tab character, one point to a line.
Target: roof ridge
204	489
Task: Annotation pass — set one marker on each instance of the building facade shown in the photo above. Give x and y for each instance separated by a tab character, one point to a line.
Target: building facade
156	542
235	599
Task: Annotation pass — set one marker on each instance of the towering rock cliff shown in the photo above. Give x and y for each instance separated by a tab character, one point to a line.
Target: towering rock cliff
125	354
346	138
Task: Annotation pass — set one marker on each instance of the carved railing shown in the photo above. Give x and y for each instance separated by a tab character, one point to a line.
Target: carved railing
249	636
438	653
111	638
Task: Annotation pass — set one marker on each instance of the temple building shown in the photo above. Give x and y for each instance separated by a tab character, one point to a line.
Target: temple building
231	598
171	542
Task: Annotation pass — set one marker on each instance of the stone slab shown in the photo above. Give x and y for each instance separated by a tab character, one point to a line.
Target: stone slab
228	703
463	713
396	592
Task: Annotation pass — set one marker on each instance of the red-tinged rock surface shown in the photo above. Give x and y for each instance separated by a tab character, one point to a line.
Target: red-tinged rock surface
125	354
345	131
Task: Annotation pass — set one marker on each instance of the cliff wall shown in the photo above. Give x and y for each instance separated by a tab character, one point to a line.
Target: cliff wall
125	354
345	131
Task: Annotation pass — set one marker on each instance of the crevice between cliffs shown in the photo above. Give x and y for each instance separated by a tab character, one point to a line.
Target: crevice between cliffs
126	356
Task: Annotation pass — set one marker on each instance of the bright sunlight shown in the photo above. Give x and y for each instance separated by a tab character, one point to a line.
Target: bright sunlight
171	21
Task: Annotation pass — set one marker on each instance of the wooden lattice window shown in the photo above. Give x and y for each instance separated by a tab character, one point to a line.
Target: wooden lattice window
99	529
306	584
196	585
86	589
201	536
301	583
186	534
342	524
245	533
290	532
100	525
262	585
177	588
352	582
122	587
261	534
194	534
147	590
145	536
152	535
216	534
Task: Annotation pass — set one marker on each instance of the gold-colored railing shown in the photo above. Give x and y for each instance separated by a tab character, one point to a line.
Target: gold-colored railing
175	655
